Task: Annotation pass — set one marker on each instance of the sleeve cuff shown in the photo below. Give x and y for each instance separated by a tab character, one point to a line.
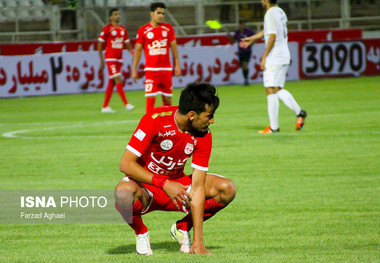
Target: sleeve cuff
127	41
100	39
205	169
133	150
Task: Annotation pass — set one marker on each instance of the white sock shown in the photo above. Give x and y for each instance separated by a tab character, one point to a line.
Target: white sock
273	105
289	101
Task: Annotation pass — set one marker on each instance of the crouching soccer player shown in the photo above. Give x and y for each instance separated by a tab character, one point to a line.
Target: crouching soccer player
154	166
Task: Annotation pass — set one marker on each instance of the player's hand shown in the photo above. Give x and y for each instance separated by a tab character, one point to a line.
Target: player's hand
199	249
135	76
177	192
262	64
177	71
245	42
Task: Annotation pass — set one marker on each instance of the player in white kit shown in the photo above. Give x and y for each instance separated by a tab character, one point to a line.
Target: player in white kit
275	63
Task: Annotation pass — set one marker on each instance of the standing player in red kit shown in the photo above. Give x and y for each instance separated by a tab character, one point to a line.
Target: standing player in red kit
155	38
114	36
154	164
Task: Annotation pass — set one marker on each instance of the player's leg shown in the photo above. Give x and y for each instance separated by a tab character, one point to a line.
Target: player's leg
285	95
165	87
271	89
287	98
166	100
109	89
150	90
244	60
130	200
119	87
245	72
220	191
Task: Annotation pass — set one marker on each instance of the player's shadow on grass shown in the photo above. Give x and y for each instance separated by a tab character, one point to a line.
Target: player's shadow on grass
162	246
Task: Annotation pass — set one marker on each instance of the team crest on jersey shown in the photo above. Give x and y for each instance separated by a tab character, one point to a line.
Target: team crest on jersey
189	148
166	145
150	35
164	33
113	32
122	33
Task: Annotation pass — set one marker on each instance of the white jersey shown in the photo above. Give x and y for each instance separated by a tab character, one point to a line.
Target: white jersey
275	23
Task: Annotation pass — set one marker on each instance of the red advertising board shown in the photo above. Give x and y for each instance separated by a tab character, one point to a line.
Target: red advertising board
201	40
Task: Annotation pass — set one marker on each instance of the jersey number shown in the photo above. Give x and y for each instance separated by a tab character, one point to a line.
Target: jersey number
148	87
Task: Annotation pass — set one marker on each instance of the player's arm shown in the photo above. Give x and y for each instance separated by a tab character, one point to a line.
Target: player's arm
175	191
136	60
129	47
197	204
100	52
270	44
177	66
247	41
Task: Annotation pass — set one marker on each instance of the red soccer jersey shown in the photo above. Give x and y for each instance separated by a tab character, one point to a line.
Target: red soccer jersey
114	37
156	42
164	149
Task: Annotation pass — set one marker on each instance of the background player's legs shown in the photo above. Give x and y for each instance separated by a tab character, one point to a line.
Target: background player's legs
273	106
130	200
119	88
244	66
150	101
220	191
283	94
108	93
150	89
274	78
289	101
166	101
244	60
165	87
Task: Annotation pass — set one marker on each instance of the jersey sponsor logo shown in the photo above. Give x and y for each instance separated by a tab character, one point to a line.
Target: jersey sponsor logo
113	32
158	47
140	135
159	51
150	35
166	145
189	148
167	133
166	161
164	33
117	43
162	114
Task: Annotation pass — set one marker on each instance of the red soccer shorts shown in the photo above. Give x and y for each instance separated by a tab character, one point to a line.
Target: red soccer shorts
160	201
114	68
158	82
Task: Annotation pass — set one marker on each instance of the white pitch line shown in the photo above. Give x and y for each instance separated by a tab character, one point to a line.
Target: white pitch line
15	134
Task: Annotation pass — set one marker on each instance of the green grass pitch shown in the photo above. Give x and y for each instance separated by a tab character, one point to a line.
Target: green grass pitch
308	196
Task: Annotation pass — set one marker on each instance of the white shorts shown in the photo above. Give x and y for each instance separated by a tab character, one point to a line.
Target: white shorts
275	75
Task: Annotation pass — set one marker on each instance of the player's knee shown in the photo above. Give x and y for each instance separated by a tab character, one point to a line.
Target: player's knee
125	192
228	189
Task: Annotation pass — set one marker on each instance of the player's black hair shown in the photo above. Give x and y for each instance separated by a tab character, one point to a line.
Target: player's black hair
273	2
154	6
113	10
196	95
